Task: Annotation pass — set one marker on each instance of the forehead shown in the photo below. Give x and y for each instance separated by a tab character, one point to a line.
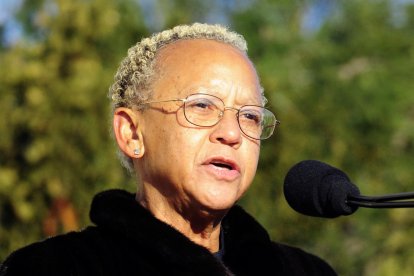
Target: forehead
187	66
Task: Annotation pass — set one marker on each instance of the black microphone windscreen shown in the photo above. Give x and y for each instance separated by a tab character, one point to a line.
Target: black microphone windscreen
317	189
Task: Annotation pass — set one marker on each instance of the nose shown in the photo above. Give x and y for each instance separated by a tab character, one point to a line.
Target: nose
227	130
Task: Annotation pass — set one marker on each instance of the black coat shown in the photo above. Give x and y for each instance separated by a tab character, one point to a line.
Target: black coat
129	240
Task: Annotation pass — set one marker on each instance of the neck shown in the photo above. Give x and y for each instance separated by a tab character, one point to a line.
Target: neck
201	227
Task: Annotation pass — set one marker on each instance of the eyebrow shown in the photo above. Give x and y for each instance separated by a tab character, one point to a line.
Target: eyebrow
215	91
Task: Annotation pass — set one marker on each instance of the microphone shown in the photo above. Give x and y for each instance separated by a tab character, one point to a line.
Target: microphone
317	189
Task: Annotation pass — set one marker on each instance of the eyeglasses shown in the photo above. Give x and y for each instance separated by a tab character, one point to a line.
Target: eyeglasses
206	110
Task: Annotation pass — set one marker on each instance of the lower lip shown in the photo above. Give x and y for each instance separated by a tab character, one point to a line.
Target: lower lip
222	173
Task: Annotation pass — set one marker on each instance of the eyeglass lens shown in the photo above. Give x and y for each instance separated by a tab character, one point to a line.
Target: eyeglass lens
206	110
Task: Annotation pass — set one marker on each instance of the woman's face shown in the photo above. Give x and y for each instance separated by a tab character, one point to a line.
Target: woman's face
208	168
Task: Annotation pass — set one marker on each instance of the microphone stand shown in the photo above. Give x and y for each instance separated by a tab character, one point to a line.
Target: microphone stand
384	201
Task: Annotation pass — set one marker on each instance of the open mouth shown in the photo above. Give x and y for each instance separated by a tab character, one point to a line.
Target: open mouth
222	168
222	165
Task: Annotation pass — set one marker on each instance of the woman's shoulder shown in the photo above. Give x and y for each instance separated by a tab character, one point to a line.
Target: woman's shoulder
59	255
300	261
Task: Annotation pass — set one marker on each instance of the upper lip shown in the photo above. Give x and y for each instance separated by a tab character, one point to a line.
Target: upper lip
223	160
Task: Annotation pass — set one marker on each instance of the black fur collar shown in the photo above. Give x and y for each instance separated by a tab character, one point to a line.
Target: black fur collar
248	246
118	211
129	240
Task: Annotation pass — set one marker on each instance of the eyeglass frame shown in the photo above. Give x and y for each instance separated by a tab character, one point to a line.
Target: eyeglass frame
184	100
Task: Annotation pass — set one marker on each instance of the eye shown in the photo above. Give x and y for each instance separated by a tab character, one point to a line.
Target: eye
200	105
251	116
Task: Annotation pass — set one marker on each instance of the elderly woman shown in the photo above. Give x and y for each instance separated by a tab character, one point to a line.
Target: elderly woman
188	117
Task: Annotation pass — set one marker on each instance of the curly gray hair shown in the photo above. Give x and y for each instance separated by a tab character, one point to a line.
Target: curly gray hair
136	72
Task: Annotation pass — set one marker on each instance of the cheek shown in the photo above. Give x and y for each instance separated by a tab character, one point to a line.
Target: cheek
190	143
250	169
172	138
184	146
252	160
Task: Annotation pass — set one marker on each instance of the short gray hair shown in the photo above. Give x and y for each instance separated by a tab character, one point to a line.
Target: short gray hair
136	72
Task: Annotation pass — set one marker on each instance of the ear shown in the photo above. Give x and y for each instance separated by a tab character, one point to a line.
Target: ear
127	132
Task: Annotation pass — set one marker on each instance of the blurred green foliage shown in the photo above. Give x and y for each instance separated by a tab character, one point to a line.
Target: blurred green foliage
342	92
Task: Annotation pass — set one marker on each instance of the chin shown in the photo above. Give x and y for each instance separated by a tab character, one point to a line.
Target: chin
219	197
217	204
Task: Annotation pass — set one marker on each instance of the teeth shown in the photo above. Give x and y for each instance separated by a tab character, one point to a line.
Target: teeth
221	165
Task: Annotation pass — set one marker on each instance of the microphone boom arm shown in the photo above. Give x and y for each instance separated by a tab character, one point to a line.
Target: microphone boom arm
385	201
